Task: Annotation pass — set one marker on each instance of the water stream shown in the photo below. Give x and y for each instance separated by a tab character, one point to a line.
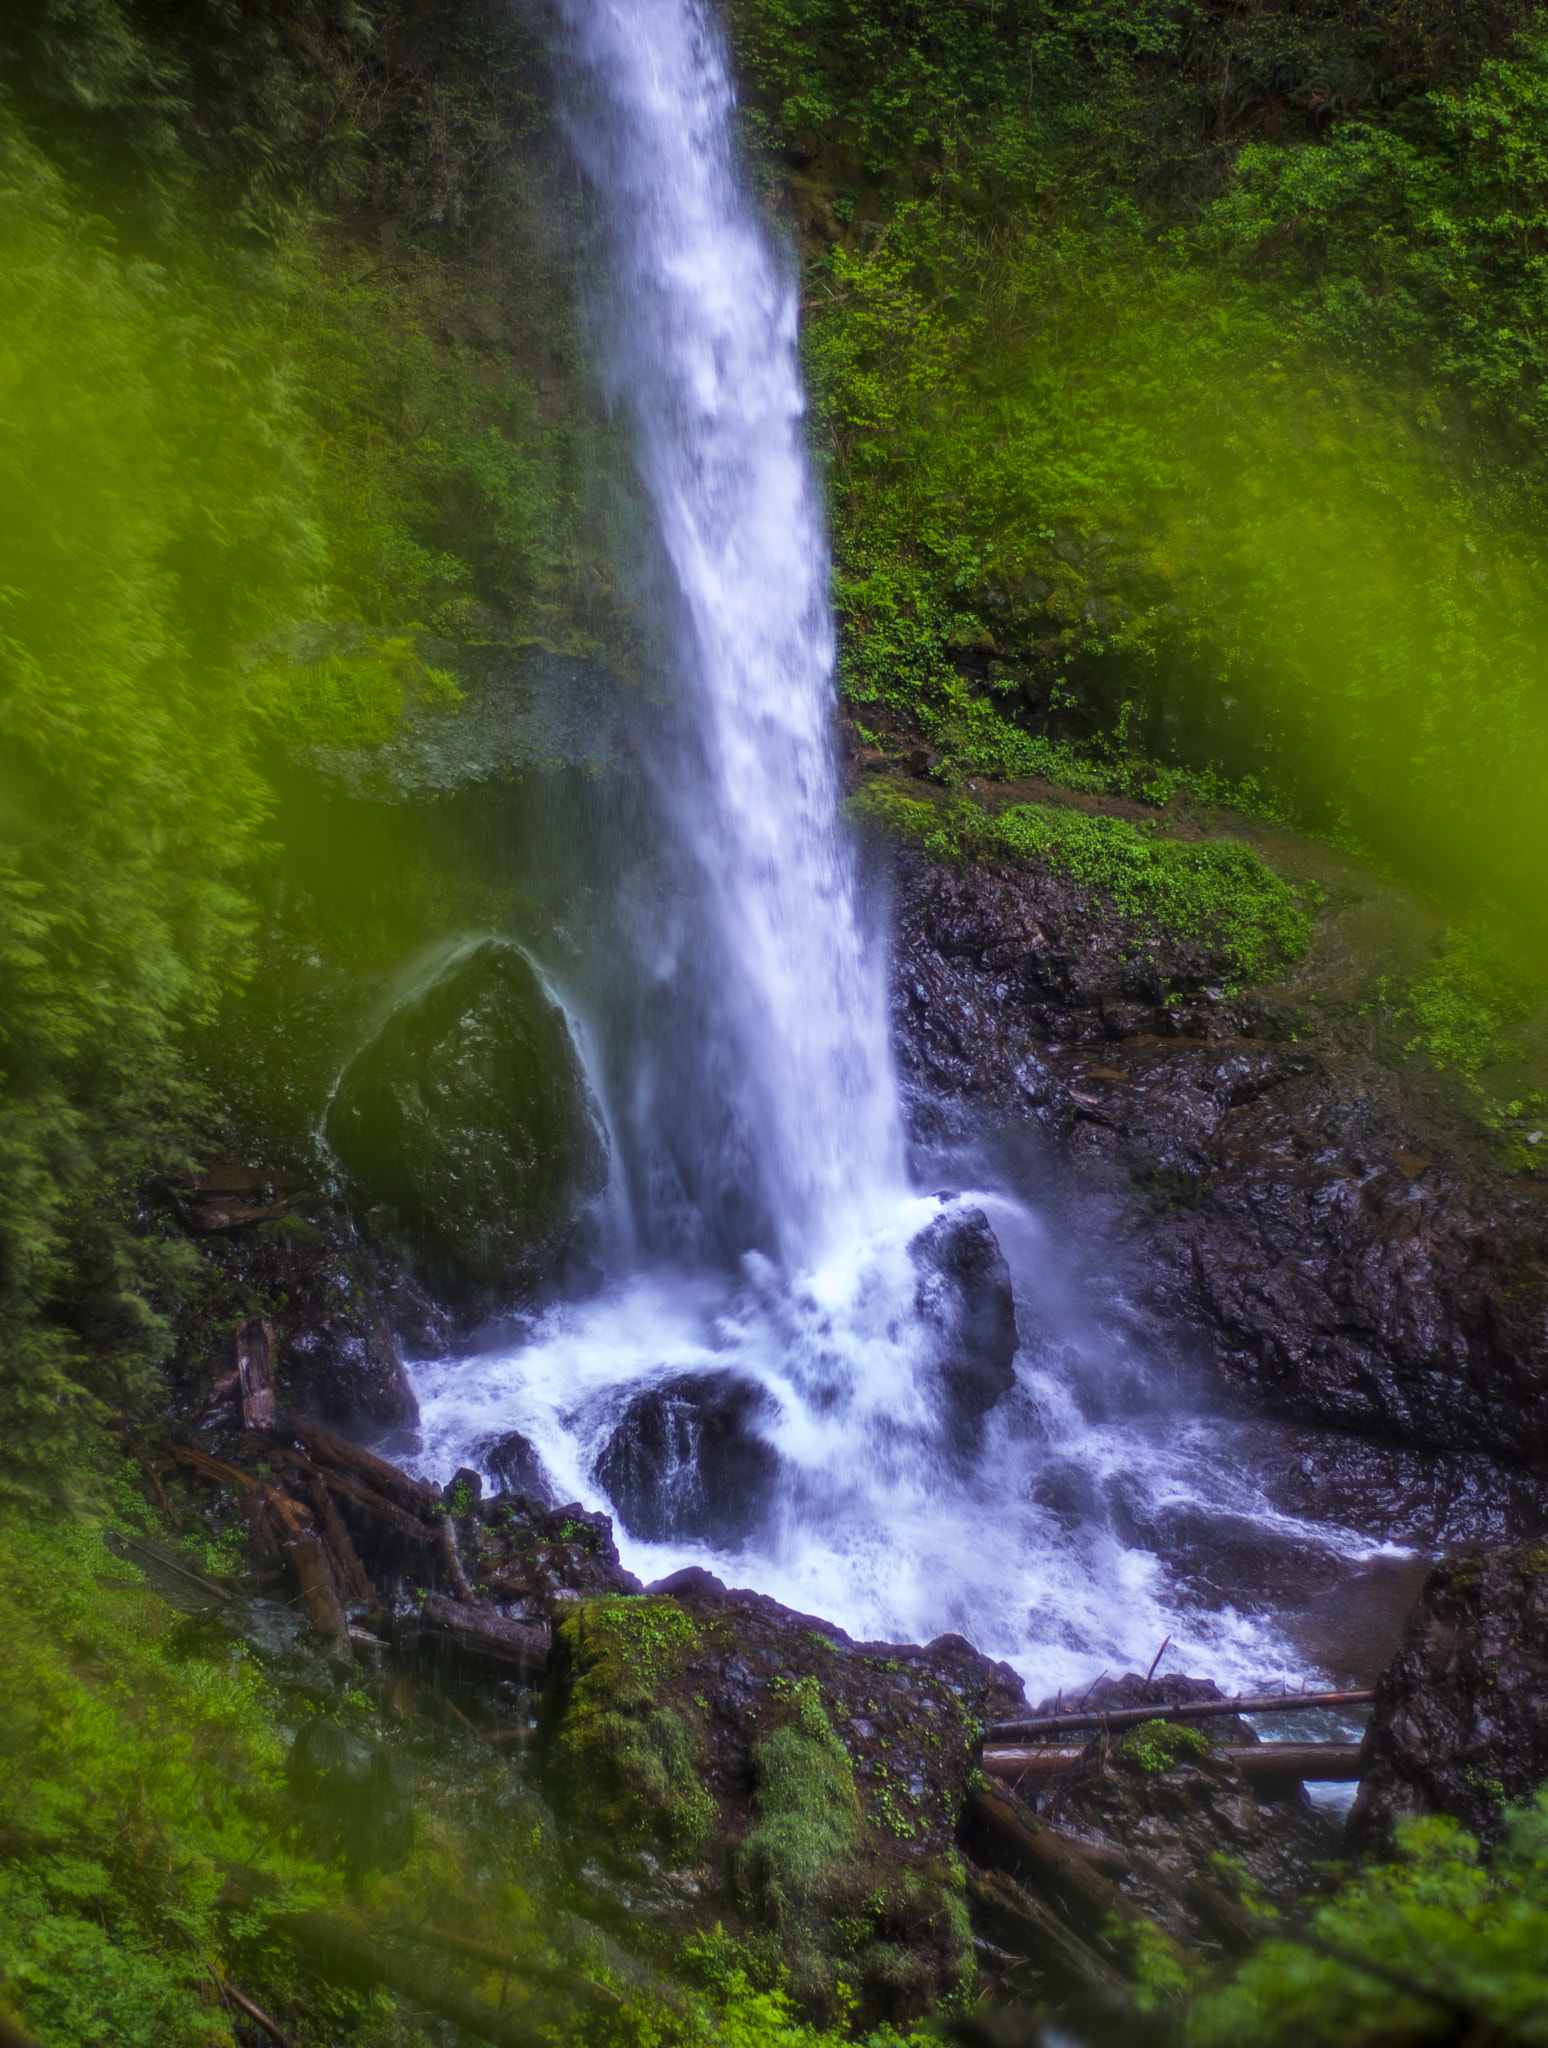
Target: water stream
757	1127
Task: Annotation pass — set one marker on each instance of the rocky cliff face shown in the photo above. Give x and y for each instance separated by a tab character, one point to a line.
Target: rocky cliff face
1293	1203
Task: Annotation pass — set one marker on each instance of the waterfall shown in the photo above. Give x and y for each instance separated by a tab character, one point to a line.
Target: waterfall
804	1400
696	348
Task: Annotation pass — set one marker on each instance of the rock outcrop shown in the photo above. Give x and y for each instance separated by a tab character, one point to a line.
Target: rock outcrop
1288	1201
965	1296
720	1759
1460	1723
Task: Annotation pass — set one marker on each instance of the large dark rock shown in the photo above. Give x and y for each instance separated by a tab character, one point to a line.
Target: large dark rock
467	1120
1460	1723
1279	1191
686	1459
512	1462
965	1293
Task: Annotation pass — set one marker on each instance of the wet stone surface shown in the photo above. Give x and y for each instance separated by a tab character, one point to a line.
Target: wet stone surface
1460	1723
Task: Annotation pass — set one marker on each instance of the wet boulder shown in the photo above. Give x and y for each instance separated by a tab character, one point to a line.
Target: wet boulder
964	1292
1460	1722
687	1459
513	1464
466	1127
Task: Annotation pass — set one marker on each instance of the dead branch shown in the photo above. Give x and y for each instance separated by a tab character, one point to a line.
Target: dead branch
1027	1928
258	2016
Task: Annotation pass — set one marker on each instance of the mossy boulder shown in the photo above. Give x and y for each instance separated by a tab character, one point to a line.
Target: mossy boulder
725	1764
467	1130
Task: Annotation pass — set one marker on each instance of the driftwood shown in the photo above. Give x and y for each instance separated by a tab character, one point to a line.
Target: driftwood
1186	1710
342	1554
214	1468
255	1372
451	1563
1258	1762
1010	1839
339	1455
1027	1928
513	1648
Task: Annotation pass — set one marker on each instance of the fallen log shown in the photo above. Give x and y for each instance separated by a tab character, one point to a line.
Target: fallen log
513	1648
1025	1926
214	1468
1325	1763
347	1487
317	1595
342	1456
342	1554
1186	1710
1013	1840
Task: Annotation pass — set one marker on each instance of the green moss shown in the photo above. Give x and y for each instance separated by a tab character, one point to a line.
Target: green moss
1215	890
809	1817
626	1762
1155	1746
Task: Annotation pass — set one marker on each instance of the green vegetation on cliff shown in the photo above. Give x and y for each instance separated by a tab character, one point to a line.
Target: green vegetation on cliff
1178	370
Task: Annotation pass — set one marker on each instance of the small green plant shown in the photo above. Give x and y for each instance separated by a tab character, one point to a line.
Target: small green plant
1155	1746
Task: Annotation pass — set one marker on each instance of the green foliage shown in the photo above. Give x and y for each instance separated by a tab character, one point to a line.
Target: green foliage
134	1773
1464	1012
1155	1746
1446	1923
150	517
1150	387
353	700
1217	890
214	426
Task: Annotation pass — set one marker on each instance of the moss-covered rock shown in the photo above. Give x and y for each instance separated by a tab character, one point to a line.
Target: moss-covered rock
467	1119
725	1764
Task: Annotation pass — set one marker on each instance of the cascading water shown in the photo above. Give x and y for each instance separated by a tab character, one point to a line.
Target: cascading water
696	338
856	1484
